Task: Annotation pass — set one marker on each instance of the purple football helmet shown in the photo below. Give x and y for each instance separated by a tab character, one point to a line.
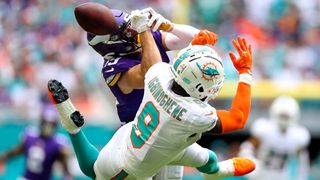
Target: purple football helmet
49	113
49	120
120	43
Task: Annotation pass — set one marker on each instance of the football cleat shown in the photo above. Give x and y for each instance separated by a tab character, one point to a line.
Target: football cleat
57	92
77	119
237	166
242	166
70	118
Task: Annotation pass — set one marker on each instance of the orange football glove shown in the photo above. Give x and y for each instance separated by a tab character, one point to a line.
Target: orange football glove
244	63
205	37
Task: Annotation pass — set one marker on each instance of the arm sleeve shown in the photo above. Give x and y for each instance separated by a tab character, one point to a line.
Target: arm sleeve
237	116
180	36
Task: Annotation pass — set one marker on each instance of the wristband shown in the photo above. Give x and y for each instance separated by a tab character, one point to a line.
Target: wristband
245	78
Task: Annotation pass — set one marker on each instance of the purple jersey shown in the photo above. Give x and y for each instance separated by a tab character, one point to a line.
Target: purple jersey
41	153
127	104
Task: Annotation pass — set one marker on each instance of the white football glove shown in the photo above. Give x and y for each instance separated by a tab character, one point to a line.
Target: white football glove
157	21
139	21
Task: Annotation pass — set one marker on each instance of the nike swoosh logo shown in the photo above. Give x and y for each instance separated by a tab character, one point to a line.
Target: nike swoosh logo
210	113
110	70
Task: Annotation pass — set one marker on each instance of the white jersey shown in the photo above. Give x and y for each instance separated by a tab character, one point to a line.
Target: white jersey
278	148
164	131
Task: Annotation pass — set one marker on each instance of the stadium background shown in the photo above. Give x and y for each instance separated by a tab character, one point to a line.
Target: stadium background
40	40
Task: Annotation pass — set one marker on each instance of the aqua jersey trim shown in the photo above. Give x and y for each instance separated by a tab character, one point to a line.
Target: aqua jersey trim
120	176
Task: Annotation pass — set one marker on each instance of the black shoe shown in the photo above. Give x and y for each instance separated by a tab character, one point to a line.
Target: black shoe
57	92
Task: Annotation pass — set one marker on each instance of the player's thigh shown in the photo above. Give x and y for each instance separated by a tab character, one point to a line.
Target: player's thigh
192	156
108	163
170	172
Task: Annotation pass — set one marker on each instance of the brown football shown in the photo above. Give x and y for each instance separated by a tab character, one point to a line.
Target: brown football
95	18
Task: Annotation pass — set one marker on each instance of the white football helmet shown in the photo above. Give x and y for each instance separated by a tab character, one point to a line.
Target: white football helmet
199	71
285	111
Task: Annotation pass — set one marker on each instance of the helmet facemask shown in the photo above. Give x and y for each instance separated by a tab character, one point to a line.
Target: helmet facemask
199	70
126	34
123	42
125	38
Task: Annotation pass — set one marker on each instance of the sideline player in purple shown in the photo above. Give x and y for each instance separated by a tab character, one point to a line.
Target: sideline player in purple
41	147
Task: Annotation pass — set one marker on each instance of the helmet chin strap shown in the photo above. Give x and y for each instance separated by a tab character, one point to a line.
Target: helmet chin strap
176	88
205	99
213	95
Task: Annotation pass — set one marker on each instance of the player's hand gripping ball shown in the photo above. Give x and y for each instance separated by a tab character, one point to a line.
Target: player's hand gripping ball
157	21
139	21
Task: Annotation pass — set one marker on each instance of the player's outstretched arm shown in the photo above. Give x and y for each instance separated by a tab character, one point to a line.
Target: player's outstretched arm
134	77
12	152
237	116
205	37
150	52
174	36
63	158
179	37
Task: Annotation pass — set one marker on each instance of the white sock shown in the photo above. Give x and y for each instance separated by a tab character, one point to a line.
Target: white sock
226	169
65	109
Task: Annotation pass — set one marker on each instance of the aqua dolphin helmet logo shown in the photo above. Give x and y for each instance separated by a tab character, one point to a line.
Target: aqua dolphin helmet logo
209	71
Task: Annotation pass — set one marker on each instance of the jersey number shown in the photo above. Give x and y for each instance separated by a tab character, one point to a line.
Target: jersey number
36	156
148	122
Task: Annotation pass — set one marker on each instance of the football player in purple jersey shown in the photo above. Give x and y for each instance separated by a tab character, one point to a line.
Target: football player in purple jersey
41	148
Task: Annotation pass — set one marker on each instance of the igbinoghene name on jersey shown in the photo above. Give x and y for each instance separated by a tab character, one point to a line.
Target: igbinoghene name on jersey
167	104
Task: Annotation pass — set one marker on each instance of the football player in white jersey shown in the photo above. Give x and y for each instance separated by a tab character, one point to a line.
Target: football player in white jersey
173	114
277	141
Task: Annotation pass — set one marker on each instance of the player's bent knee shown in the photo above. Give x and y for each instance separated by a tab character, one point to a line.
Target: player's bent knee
211	166
170	173
88	170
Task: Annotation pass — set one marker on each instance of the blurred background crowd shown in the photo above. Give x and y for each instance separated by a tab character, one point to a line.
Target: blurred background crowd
40	40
